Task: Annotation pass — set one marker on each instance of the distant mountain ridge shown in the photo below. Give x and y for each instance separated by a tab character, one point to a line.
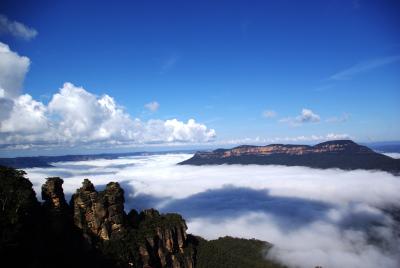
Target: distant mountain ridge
344	154
45	161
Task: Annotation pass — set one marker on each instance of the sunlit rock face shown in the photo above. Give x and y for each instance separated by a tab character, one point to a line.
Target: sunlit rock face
344	154
53	195
99	214
161	240
339	146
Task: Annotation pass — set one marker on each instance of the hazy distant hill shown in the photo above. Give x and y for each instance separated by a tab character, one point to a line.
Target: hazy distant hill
344	154
45	161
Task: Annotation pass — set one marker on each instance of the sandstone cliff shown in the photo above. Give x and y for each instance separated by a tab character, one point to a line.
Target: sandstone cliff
99	215
344	154
161	240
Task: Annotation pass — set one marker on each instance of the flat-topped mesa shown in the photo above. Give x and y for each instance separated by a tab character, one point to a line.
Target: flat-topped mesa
338	146
99	214
341	146
344	154
53	195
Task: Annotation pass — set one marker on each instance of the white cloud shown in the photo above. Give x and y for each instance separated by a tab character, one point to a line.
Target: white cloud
296	139
152	106
327	137
269	114
320	243
86	117
306	116
75	116
190	131
364	67
13	69
393	155
312	216
26	116
16	29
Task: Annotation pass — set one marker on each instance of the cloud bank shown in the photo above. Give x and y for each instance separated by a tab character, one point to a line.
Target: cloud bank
16	29
393	155
75	116
313	217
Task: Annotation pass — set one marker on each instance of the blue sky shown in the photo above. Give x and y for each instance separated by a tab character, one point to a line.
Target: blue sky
246	69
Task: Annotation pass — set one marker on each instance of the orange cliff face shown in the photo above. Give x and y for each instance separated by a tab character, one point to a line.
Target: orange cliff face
343	154
265	150
326	147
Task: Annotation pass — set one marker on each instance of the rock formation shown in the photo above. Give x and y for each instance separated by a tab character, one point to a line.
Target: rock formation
95	231
99	215
340	146
167	244
343	154
53	195
161	240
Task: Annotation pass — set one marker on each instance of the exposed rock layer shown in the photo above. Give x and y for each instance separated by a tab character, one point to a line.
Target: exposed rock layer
53	195
101	214
148	239
343	154
161	240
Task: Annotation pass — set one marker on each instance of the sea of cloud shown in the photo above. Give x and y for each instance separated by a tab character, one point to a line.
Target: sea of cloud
332	218
393	155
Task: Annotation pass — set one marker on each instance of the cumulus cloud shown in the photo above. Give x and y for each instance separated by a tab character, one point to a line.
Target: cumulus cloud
75	116
16	29
152	106
306	116
26	116
13	69
312	216
269	114
84	117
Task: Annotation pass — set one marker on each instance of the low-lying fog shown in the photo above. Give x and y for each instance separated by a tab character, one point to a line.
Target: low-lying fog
330	218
